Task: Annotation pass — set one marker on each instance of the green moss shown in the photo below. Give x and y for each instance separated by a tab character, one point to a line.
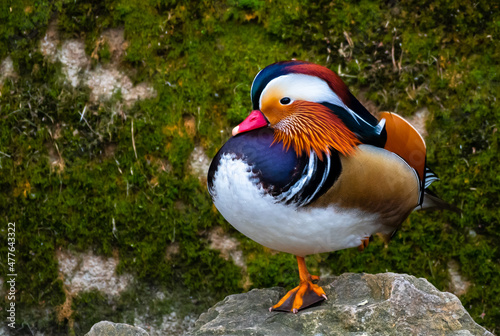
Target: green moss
104	53
23	22
201	57
86	315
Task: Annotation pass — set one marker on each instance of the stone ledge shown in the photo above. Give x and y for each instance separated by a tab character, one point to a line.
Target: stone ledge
359	304
385	304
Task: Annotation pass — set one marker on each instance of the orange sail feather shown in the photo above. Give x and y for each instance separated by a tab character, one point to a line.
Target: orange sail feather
404	140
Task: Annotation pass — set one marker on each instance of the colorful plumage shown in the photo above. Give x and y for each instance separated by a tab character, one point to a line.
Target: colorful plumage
310	170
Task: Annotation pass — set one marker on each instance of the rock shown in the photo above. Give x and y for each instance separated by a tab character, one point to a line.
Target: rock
103	80
418	120
7	69
86	271
358	304
458	283
106	328
199	163
172	324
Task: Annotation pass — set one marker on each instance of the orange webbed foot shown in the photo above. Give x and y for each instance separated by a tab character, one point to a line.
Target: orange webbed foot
304	295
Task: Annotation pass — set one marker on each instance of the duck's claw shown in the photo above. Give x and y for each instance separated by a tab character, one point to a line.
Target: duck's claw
302	296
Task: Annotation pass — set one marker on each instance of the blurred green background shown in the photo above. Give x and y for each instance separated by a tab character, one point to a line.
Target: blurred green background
119	182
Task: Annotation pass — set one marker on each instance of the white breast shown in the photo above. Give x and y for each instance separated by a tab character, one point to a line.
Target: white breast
286	228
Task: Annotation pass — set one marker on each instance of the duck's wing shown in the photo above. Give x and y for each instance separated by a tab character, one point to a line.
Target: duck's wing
404	140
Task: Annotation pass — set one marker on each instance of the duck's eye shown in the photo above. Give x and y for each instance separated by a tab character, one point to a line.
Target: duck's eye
285	101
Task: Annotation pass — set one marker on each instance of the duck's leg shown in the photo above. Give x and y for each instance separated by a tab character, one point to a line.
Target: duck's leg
364	244
304	295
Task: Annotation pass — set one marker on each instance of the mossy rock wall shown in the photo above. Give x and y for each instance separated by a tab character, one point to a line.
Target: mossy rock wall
118	181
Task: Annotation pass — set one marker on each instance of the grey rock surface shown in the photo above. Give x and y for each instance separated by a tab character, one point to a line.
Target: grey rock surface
358	304
106	328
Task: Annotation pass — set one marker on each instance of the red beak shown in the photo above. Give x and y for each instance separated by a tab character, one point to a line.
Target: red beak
255	120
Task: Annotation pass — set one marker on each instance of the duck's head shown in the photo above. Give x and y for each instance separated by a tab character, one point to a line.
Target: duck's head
309	107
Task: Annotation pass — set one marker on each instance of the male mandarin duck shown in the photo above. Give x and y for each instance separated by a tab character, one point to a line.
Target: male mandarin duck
310	170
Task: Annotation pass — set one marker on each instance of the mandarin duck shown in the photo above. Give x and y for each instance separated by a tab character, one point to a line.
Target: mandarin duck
310	170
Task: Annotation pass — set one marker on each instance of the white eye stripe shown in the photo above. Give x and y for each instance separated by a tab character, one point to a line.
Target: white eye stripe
302	87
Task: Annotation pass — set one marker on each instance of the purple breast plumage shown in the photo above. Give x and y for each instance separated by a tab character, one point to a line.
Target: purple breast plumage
277	170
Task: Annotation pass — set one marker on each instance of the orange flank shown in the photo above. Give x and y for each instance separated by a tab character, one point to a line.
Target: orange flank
404	140
304	295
